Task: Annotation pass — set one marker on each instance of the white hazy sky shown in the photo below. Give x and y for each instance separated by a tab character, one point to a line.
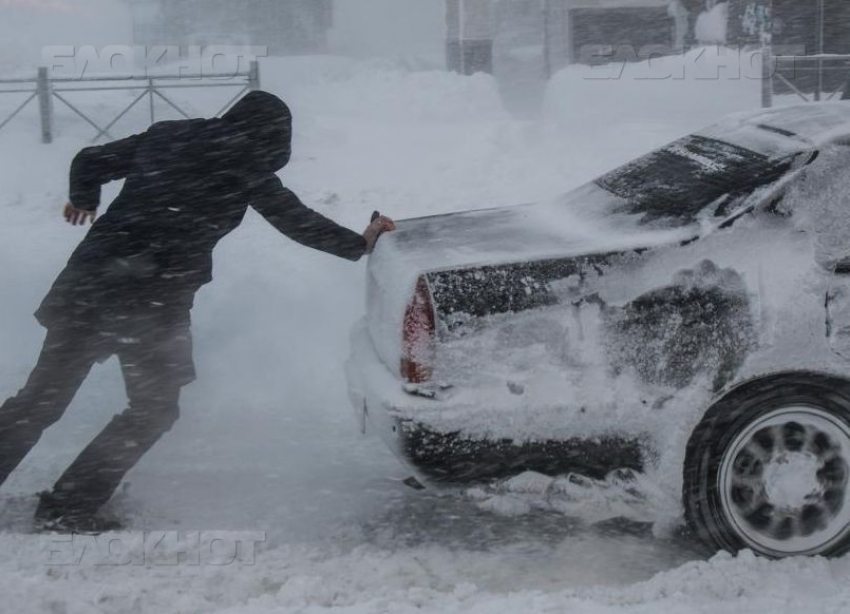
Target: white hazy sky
389	27
362	27
26	26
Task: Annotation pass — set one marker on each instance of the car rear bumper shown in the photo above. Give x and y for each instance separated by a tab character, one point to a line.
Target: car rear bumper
372	389
376	395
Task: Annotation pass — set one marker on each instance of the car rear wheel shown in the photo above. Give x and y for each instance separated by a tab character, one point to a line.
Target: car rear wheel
768	468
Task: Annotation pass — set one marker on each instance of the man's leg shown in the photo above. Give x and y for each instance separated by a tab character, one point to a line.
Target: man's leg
153	387
65	361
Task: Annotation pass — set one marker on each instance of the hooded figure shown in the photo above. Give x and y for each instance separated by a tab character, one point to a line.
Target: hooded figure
130	284
188	184
267	122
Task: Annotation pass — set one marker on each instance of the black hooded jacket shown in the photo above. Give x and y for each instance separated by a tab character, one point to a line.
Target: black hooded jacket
188	184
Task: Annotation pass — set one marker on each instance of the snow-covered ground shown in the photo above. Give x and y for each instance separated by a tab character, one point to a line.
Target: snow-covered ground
267	444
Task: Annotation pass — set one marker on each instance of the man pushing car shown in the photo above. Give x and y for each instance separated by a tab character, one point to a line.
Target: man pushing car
128	288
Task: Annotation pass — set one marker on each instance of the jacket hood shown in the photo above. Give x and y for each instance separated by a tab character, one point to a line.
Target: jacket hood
266	123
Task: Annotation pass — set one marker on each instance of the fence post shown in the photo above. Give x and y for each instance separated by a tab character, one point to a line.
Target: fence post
150	101
45	104
768	66
254	76
821	25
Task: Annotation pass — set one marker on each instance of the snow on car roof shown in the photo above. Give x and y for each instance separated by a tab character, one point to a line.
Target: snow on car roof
781	129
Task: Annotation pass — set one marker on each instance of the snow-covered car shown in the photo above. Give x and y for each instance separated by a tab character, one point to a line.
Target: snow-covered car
686	316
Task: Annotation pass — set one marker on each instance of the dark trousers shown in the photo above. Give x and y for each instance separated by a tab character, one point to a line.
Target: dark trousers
154	367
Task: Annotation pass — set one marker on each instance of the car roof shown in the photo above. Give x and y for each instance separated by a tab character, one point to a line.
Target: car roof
781	130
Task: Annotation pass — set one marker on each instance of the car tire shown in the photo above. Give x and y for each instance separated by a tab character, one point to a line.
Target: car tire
768	467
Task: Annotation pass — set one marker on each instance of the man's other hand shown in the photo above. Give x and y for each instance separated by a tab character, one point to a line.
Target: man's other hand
379	225
77	217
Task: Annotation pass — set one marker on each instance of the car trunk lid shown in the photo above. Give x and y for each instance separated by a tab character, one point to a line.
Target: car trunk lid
492	237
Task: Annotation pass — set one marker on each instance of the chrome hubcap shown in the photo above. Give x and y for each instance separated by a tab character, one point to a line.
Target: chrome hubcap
784	482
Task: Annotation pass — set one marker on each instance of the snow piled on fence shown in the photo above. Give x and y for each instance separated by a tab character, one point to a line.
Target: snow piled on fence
266	442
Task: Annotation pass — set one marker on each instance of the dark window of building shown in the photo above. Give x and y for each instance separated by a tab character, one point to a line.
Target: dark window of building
617	28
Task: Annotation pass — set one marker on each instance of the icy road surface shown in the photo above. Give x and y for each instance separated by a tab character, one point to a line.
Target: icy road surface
267	444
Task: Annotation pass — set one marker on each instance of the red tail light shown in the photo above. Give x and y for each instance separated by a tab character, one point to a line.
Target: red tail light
417	357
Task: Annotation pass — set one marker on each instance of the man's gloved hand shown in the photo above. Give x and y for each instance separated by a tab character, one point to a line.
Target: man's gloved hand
77	217
379	225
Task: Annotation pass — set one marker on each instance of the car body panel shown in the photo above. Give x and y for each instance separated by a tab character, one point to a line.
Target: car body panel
598	344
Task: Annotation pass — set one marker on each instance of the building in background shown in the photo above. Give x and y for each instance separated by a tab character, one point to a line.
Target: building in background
470	29
795	28
284	27
818	26
488	35
590	30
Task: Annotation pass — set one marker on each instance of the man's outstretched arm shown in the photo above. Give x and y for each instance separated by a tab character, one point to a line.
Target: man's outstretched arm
285	211
93	167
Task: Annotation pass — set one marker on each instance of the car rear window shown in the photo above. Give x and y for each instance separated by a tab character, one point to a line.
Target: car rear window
674	184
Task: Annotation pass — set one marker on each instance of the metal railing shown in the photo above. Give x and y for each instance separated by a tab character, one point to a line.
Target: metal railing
812	78
45	89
